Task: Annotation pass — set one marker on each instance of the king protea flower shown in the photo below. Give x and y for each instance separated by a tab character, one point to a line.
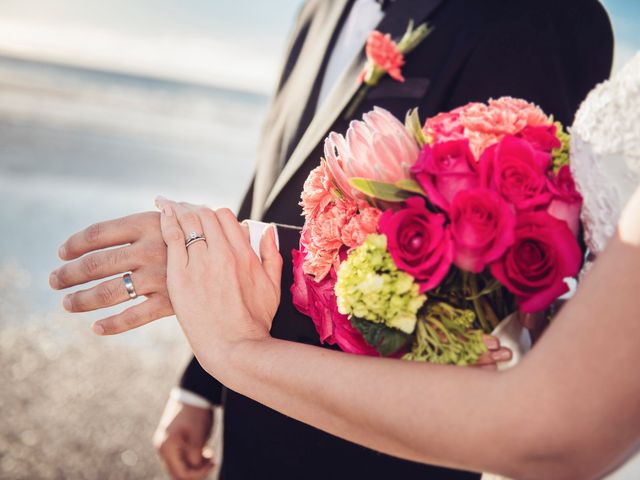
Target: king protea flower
377	148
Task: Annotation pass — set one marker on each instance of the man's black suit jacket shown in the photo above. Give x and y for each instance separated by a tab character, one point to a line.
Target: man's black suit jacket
548	52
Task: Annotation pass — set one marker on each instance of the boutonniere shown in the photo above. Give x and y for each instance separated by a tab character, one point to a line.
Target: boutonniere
385	57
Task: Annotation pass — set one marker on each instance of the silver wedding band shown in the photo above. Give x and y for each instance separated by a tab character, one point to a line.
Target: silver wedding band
128	284
193	238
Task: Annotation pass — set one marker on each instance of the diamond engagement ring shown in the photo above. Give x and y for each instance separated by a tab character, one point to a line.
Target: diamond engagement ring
128	284
193	238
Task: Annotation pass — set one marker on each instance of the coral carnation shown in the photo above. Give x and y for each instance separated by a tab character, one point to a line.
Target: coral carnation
487	124
383	53
317	192
361	226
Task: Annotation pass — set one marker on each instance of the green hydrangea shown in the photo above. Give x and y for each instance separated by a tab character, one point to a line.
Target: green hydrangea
560	156
445	335
371	287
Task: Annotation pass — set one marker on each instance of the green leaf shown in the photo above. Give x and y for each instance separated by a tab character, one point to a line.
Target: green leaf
413	37
379	190
413	126
385	340
410	185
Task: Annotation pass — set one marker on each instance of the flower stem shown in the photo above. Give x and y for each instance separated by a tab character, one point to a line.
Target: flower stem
491	315
357	100
477	304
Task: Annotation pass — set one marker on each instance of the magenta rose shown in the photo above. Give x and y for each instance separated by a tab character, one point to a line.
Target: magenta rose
444	169
318	301
482	227
541	138
517	171
419	242
566	202
544	253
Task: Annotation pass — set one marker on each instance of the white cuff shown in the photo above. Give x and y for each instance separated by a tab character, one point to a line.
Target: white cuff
256	229
189	398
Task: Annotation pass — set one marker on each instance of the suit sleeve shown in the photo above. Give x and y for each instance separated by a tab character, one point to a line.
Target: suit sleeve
195	379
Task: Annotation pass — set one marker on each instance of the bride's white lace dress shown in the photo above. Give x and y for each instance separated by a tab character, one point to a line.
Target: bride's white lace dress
605	162
605	156
605	152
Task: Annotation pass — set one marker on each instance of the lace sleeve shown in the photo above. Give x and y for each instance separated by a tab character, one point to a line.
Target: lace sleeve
605	152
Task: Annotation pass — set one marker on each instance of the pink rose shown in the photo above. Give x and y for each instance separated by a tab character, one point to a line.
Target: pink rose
482	226
544	253
566	202
318	301
444	169
518	172
419	242
541	138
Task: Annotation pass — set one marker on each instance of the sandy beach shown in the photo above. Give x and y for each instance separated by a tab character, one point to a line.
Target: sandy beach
75	406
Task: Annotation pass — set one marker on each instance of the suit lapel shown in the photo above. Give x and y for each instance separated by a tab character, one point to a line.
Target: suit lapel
295	97
394	22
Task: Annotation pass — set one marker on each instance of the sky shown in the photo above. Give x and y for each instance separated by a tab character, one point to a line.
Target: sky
232	43
625	16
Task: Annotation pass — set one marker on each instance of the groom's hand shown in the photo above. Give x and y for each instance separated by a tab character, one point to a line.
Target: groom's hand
139	249
181	439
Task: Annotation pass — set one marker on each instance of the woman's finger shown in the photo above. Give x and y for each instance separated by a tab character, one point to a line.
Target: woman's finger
191	225
491	342
161	201
271	258
503	354
236	235
173	235
216	240
493	357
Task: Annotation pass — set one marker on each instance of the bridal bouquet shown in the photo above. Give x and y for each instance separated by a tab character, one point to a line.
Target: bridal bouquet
418	238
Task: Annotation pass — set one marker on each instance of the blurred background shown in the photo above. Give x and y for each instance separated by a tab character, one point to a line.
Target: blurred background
104	105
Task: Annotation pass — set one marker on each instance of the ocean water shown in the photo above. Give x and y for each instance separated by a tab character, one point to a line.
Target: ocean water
78	146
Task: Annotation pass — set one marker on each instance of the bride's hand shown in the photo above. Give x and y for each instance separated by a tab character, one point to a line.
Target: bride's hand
222	294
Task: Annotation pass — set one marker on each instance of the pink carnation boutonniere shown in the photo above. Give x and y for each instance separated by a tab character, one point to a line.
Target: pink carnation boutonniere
385	57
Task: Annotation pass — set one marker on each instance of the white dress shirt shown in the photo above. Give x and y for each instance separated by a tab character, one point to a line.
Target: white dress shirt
362	20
